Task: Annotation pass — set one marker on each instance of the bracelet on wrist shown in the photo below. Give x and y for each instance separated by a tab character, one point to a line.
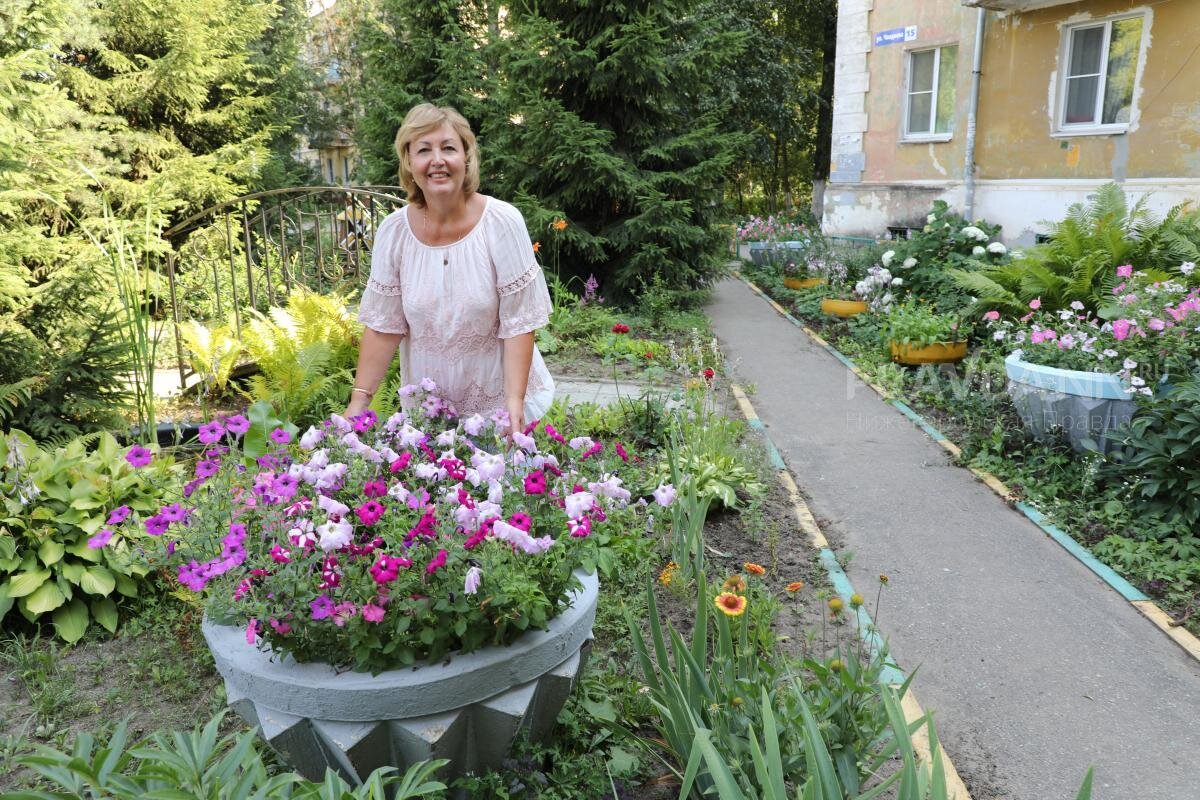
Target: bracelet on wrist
369	394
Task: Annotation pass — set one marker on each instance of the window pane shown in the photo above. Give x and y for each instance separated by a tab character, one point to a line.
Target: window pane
1122	64
947	69
922	72
1087	44
918	112
1081	100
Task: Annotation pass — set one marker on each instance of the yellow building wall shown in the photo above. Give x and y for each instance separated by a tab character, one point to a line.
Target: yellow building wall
1020	68
888	157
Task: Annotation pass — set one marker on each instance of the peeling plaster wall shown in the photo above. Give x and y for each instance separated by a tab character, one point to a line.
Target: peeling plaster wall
1026	173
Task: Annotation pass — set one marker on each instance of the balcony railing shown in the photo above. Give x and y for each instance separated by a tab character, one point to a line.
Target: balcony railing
1016	5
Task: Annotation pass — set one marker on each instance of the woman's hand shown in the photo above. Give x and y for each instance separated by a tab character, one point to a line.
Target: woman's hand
358	404
515	406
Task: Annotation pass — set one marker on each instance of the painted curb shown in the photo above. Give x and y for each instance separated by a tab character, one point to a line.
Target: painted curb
891	675
1148	608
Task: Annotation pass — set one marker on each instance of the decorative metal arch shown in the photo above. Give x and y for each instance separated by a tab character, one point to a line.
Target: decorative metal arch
251	251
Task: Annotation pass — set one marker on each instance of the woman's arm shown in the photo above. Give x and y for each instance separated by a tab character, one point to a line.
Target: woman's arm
518	356
375	353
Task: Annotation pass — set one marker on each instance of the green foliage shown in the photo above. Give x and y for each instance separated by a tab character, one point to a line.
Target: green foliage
915	323
212	354
204	764
1159	449
606	121
947	244
1084	250
304	353
54	500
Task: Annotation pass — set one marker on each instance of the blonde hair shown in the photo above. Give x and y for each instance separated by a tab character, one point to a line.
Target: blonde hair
426	117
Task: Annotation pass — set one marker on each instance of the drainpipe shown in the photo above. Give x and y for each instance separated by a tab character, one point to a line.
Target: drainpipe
972	112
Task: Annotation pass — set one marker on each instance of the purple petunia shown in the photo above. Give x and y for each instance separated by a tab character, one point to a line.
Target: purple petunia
156	525
237	425
138	456
280	436
211	432
119	515
207	468
100	539
173	513
322	607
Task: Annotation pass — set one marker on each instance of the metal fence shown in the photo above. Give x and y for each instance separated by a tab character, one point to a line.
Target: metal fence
250	252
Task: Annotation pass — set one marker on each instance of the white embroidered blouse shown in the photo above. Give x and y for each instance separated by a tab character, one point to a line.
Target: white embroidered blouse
455	304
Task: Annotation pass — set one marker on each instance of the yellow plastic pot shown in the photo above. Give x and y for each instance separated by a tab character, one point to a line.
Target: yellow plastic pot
936	353
843	308
802	283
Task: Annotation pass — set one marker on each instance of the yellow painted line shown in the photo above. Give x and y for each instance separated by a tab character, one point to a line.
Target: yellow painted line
782	311
804	516
1182	636
950	447
743	402
994	484
955	788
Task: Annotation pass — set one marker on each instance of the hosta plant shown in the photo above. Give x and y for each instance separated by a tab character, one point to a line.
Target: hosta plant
375	543
920	325
55	502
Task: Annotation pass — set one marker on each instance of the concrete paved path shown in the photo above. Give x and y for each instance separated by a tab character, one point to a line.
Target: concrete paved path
1033	667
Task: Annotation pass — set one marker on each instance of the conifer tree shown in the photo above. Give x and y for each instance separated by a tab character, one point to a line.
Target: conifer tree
417	52
610	124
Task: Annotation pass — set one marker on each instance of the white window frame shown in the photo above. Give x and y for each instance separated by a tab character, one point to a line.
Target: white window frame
1061	126
906	135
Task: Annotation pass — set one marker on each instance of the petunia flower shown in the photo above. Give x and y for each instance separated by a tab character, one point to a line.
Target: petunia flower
138	456
119	515
535	482
372	613
100	539
237	424
322	607
370	512
156	525
664	495
471	582
280	436
211	432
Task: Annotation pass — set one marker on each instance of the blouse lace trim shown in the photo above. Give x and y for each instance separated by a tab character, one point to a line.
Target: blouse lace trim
524	279
385	289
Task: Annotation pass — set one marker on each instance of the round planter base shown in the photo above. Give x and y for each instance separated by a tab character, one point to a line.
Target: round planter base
843	308
468	709
1083	406
936	353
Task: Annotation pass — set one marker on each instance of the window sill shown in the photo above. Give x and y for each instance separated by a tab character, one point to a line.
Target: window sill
940	137
1097	130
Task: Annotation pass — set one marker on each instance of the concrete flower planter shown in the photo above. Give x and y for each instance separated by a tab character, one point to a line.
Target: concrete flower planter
469	709
1083	405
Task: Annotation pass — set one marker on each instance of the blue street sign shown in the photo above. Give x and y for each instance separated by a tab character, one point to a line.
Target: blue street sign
896	35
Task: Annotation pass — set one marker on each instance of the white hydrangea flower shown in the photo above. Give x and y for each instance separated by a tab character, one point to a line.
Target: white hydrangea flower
909	262
971	232
932	218
887	257
978	250
897	281
996	248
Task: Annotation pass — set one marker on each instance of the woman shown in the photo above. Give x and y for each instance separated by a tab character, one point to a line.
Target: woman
454	283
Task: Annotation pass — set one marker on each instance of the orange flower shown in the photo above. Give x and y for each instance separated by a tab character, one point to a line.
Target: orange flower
730	604
757	569
537	246
795	586
734	583
668	573
559	224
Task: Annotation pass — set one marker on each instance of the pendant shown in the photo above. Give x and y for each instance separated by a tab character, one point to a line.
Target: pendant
445	260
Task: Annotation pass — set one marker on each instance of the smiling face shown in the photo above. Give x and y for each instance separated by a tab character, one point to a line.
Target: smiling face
438	162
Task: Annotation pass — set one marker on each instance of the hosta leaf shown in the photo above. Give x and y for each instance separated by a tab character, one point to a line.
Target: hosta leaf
6	602
105	612
71	621
97	580
72	571
46	598
26	583
126	585
51	552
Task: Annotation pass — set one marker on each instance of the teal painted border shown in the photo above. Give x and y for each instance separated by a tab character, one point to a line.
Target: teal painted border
772	452
1081	553
1106	573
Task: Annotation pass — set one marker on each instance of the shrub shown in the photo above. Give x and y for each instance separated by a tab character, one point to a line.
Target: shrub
55	501
919	324
1079	261
1159	450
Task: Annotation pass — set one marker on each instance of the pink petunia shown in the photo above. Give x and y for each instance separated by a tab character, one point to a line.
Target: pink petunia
1125	271
1035	303
1121	329
992	316
372	613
